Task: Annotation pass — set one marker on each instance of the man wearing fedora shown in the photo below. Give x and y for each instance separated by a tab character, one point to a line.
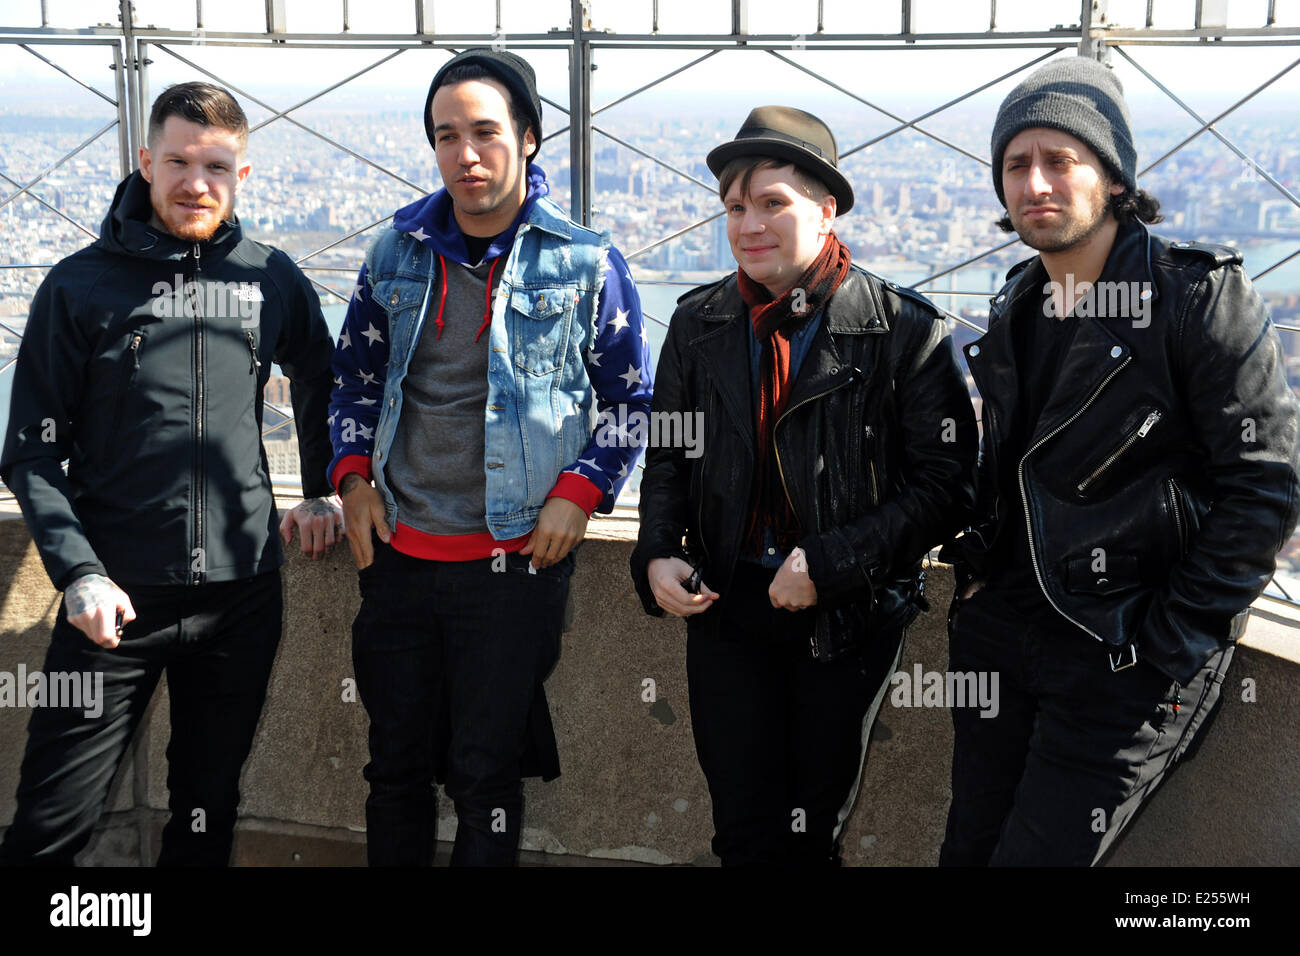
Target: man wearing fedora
1138	476
839	447
486	331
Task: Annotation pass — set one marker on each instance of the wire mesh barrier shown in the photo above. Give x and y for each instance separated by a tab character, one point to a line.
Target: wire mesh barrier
335	150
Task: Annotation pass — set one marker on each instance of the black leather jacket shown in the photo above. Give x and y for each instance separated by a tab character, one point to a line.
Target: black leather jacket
1161	478
877	449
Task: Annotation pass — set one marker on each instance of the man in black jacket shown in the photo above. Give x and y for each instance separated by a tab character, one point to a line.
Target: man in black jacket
838	447
142	366
1138	476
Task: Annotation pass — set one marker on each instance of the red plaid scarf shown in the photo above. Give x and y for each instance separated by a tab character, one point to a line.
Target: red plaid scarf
775	321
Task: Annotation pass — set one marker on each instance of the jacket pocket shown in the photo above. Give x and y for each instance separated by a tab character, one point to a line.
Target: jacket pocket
129	370
542	318
1135	434
1106	574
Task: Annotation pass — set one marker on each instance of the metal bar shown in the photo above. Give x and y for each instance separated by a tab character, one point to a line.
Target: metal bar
559	132
29	265
54	209
424	17
342	240
275	18
993	15
655	82
666	165
964	264
739	17
679	232
1234	106
581	173
345	16
959	318
103	96
1272	13
251	98
198	14
1151	12
328	89
133	138
45	15
143	102
11	330
821	16
124	164
56	164
654	16
1221	138
1274	266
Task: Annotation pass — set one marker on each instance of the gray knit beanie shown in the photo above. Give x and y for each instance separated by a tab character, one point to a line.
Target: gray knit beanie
1076	95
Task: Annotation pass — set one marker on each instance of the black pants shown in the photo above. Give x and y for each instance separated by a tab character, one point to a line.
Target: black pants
217	643
450	657
1074	749
781	737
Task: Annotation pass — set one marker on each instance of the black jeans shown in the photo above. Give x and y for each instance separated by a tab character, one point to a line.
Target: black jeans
450	657
217	643
1074	749
781	737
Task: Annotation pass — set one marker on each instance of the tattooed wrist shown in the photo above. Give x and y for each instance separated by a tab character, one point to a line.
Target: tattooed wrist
89	592
318	506
350	481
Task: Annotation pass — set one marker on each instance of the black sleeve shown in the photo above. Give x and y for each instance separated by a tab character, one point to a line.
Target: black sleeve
304	352
49	381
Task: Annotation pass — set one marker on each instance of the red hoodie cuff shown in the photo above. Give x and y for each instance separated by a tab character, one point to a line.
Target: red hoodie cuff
351	464
579	489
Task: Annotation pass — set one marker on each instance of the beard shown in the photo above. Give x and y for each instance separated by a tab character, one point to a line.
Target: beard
1071	231
185	224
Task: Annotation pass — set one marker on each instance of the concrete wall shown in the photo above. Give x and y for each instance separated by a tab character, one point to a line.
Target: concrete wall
631	788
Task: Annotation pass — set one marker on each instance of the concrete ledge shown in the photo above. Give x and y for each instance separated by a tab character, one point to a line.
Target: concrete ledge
631	788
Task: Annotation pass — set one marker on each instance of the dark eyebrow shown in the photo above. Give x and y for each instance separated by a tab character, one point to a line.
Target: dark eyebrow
476	124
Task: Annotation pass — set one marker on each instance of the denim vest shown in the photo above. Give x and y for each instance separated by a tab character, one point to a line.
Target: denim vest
538	418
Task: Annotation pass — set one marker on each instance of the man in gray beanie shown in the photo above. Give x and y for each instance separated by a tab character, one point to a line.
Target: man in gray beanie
1138	475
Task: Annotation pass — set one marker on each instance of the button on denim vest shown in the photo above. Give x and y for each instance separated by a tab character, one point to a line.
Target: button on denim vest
538	418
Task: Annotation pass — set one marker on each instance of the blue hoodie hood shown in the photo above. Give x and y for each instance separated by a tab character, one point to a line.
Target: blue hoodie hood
432	221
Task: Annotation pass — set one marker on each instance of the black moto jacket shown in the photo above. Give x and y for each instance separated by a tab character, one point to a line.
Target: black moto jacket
876	448
1161	478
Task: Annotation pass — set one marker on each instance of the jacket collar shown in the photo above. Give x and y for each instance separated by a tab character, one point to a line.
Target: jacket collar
855	307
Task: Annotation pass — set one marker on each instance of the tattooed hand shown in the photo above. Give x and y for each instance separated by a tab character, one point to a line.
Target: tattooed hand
93	603
320	525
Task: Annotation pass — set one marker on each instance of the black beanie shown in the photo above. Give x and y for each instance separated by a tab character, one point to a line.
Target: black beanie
1076	95
512	70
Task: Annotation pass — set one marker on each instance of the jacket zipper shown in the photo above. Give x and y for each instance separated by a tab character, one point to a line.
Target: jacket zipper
776	446
1140	432
1179	522
254	365
128	374
199	552
1024	493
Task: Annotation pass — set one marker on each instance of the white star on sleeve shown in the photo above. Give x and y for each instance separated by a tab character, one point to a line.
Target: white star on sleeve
619	322
365	401
345	341
372	334
590	463
367	378
632	376
366	433
358	291
419	234
338	380
594	358
645	338
622	471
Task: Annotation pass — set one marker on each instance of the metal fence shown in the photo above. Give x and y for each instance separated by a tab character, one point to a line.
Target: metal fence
1089	28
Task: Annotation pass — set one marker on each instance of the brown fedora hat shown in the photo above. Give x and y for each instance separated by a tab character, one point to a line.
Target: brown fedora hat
783	132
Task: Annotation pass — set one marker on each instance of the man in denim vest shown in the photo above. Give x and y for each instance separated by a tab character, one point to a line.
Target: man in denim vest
484	327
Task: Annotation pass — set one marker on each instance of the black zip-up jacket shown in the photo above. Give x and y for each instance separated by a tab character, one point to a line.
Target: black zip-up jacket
1161	478
876	448
153	395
